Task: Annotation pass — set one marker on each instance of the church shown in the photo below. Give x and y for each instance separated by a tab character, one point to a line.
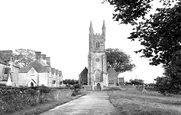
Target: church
97	60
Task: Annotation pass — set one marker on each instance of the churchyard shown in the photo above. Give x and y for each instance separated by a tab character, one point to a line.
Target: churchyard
130	101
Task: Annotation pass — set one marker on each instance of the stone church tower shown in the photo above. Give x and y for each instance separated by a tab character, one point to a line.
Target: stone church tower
97	60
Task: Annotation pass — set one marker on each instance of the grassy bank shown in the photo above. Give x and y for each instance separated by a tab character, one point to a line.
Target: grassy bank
45	107
134	102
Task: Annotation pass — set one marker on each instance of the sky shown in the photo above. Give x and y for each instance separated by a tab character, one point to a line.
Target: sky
60	29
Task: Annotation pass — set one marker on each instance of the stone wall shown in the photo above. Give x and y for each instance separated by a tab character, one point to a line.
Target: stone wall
14	99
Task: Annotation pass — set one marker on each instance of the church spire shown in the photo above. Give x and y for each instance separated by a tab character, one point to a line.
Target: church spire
91	28
103	28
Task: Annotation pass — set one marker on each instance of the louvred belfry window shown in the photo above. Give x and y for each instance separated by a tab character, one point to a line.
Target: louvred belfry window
97	45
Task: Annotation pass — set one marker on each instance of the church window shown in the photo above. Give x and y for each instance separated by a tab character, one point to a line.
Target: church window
98	76
97	45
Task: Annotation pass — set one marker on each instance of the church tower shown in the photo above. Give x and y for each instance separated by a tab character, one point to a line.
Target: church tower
97	60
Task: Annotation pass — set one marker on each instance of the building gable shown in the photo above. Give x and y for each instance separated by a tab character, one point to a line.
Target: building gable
83	76
32	71
112	73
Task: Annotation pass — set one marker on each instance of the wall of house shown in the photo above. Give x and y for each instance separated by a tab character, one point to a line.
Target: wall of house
1	70
57	80
15	73
50	79
1	67
53	79
24	78
43	79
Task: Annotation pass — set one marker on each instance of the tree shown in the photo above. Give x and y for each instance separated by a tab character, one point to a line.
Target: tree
70	81
119	60
159	33
171	81
129	11
23	57
137	82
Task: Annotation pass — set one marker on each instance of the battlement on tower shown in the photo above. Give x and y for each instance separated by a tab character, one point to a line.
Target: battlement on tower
97	36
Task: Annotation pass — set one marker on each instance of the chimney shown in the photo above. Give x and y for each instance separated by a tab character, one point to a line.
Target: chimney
48	60
56	70
53	70
38	55
60	73
43	56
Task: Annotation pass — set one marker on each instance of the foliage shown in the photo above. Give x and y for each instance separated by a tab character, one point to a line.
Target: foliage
171	81
160	35
119	60
13	99
129	11
23	57
70	81
137	82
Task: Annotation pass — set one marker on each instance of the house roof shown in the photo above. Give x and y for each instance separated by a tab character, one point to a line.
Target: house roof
111	71
38	65
2	62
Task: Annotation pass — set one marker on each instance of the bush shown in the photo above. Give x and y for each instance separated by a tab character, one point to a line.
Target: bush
44	89
166	85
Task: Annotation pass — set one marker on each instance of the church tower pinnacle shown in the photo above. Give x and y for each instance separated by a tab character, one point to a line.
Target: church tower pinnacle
103	29
91	31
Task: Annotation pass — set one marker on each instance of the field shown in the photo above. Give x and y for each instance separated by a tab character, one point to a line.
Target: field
135	102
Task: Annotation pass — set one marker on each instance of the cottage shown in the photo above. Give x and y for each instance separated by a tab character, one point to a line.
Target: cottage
39	72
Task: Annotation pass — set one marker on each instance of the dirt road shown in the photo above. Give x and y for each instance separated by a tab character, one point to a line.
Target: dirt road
94	103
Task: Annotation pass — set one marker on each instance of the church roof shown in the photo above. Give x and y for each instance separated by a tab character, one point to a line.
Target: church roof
38	65
84	71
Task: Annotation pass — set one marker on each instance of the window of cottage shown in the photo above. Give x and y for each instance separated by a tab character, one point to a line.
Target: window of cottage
6	70
53	82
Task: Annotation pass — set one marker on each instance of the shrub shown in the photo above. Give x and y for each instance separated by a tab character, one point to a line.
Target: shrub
44	89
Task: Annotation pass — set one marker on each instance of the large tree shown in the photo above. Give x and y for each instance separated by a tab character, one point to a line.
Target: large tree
23	57
159	33
129	11
119	60
171	81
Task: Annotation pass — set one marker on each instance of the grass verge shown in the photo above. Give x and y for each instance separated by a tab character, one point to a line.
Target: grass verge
139	103
45	107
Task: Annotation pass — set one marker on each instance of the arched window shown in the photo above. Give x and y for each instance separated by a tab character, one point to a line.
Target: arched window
97	45
98	76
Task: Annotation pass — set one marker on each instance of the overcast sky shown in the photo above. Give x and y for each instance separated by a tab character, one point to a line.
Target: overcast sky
60	28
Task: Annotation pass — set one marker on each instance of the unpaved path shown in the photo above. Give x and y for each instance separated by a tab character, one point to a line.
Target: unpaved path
94	103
